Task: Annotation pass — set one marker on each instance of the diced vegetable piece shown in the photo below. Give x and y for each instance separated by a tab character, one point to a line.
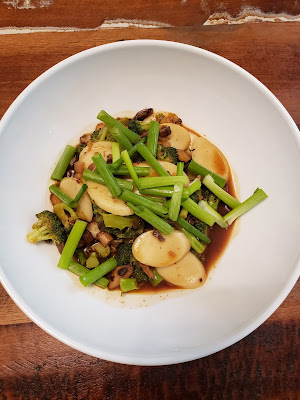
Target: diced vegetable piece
63	163
128	284
120	138
62	196
218	217
190	228
143	201
165	191
81	270
200	170
152	219
110	121
123	170
153	137
196	245
98	272
198	212
158	181
258	196
115	150
156	280
132	153
93	176
117	221
105	172
208	181
71	244
180	167
145	153
194	186
130	167
175	202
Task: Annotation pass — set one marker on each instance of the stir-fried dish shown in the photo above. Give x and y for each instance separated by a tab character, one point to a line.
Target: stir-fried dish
138	202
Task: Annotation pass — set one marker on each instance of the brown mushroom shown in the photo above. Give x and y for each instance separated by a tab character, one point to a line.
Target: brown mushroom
164	131
79	167
85	138
104	238
92	167
148	271
93	228
54	199
123	271
143	114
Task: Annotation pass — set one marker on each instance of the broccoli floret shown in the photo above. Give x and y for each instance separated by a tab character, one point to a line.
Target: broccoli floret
202	227
98	212
209	197
78	150
124	254
48	227
96	135
109	137
167	154
126	233
139	274
138	126
195	196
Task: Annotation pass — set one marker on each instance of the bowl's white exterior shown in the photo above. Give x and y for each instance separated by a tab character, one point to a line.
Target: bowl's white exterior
211	95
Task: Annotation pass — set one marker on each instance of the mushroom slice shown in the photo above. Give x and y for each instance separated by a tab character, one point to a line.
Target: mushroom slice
179	137
208	155
84	209
101	195
188	273
149	250
123	271
103	147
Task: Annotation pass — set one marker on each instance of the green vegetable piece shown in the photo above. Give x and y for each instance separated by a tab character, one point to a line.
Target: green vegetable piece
92	262
116	221
143	201
92	275
208	181
165	191
81	270
168	154
93	176
153	137
110	121
196	245
197	212
130	168
258	196
175	202
120	138
123	170
105	172
101	250
190	228
180	167
160	181
194	186
47	227
65	198
63	163
132	154
129	284
152	219
218	217
71	244
157	279
115	150
81	257
145	153
200	170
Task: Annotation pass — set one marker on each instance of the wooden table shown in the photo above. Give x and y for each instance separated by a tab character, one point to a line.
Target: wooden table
36	34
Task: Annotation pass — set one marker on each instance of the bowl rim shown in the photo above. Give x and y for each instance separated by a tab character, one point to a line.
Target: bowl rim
185	355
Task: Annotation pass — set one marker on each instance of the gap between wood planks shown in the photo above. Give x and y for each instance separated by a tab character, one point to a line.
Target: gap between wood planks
246	15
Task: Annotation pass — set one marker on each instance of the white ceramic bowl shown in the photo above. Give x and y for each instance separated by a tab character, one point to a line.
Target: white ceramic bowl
211	95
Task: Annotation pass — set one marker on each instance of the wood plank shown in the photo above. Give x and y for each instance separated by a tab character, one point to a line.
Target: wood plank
9	312
93	13
263	365
271	54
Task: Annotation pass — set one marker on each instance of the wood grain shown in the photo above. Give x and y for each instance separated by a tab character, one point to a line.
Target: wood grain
93	13
268	51
33	365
